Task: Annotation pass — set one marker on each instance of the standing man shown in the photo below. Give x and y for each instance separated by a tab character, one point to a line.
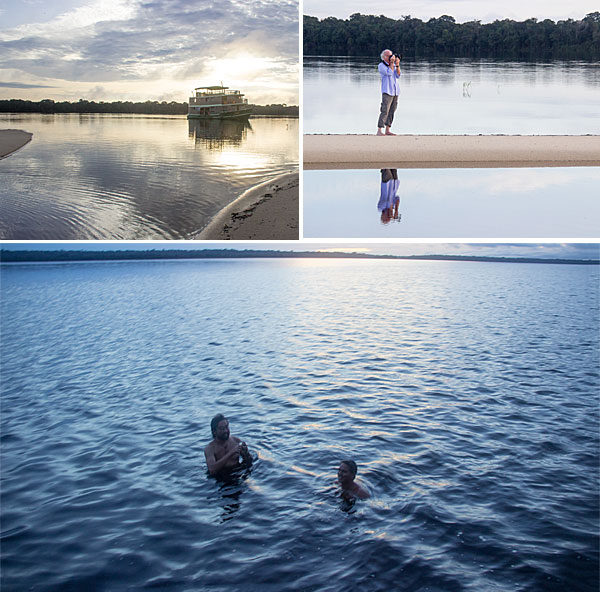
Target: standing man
224	452
389	70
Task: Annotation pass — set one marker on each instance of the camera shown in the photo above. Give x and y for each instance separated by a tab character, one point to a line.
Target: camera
397	55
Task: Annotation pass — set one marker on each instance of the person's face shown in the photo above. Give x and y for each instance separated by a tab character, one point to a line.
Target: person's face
344	474
223	430
388	55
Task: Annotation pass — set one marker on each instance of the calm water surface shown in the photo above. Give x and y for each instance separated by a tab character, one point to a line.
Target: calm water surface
134	177
466	392
460	96
452	203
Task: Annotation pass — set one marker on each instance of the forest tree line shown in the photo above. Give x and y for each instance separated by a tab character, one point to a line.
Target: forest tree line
25	256
368	35
48	106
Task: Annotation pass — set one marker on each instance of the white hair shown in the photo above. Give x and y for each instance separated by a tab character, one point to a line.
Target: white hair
383	53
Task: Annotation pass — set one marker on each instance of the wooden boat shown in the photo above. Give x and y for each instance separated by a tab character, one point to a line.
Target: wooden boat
217	102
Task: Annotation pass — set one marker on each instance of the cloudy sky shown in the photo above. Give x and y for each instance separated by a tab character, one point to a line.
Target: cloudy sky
462	10
540	250
148	49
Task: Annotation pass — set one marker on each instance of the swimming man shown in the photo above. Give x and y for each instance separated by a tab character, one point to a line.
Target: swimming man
223	453
350	489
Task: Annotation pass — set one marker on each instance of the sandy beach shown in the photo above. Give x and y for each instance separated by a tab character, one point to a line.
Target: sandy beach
11	140
268	211
423	151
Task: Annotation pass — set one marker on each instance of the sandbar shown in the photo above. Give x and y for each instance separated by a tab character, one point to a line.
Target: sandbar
269	211
333	151
11	140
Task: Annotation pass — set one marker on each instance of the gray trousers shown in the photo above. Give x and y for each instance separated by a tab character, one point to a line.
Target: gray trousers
388	108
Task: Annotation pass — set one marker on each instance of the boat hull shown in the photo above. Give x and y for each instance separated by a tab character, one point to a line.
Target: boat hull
222	115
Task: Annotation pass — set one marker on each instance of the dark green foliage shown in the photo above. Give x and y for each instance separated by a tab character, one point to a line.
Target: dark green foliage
278	110
48	106
443	37
82	106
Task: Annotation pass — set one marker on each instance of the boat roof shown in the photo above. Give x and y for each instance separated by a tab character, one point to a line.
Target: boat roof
211	88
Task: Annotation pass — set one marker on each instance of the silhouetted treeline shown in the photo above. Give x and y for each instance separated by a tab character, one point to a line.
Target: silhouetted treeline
82	106
286	110
48	106
24	256
368	35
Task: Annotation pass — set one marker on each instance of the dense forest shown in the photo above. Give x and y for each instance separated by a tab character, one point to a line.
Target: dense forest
368	35
148	107
24	256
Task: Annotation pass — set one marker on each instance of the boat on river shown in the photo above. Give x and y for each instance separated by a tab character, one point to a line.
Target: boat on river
217	102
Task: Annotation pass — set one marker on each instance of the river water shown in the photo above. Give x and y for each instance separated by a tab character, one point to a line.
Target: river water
452	203
454	97
466	392
134	176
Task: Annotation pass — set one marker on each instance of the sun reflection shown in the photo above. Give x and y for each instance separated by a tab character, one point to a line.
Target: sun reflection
235	159
303	471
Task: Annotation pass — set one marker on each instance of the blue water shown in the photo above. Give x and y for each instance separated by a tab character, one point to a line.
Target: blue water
467	393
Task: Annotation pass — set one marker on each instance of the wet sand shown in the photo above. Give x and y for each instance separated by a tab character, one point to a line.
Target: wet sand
11	140
269	211
422	151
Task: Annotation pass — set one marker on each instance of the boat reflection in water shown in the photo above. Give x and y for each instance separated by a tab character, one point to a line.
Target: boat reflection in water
389	200
217	134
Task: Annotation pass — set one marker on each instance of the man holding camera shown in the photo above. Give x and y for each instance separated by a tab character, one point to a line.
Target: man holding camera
389	70
223	453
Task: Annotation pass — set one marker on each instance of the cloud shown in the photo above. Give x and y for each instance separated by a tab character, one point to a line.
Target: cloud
22	85
77	21
125	40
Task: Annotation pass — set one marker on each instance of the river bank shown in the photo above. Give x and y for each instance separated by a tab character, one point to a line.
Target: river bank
268	211
355	151
12	140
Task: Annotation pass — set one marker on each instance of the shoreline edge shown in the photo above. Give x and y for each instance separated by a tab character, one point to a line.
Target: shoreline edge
268	211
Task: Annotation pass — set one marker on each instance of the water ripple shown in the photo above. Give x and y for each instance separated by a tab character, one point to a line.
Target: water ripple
480	447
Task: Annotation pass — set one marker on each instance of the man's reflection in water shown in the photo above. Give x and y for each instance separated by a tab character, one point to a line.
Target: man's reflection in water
389	200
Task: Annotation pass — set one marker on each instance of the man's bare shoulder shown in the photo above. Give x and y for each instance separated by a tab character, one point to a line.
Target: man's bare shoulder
209	447
362	492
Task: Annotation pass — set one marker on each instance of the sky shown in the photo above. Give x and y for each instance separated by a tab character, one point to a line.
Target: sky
138	50
538	250
486	11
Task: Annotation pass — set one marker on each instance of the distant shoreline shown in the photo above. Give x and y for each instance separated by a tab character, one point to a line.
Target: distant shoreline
51	107
443	37
66	256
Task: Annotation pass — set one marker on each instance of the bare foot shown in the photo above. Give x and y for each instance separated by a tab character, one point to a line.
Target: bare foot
379	132
389	134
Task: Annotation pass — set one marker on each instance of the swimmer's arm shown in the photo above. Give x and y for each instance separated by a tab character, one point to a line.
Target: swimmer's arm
214	465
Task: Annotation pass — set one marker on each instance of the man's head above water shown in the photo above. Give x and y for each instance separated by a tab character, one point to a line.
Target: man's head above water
347	472
219	426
